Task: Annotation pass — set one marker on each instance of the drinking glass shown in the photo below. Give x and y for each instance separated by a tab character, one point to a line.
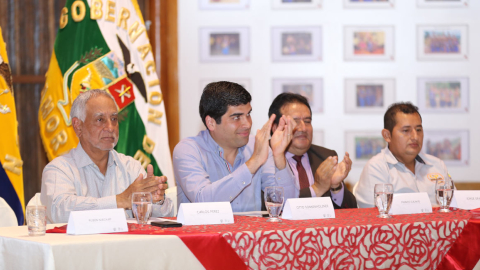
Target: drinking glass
444	192
36	220
142	206
383	199
274	202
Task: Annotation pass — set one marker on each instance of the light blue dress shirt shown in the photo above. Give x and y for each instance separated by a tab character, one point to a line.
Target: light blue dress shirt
203	175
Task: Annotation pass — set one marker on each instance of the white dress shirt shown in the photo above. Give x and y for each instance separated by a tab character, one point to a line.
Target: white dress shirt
384	168
73	182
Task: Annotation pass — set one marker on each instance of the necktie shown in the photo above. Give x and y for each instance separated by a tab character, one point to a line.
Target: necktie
302	174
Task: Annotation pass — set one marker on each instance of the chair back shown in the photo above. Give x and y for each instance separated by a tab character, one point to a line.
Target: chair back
8	217
35	200
172	194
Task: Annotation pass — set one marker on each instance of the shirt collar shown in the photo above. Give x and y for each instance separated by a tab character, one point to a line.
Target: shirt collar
393	160
290	156
213	145
82	159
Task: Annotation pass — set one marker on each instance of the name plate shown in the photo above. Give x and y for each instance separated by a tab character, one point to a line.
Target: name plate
205	213
410	203
308	208
466	199
97	221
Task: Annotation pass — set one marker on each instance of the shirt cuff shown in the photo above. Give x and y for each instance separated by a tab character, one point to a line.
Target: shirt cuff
285	177
243	175
337	198
312	192
109	202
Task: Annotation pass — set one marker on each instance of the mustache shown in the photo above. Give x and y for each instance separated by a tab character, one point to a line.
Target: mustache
299	133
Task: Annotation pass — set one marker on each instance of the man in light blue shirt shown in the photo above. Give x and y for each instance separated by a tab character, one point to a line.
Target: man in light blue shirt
223	162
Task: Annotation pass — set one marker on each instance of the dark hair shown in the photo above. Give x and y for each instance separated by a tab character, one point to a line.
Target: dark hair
284	99
217	96
404	107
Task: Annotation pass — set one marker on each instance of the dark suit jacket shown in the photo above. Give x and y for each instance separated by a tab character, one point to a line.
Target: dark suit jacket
316	155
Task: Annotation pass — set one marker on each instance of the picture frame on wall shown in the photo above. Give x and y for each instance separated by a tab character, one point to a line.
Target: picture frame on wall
223	4
299	43
318	137
296	4
369	4
369	43
369	95
442	3
451	146
224	44
242	81
310	88
363	145
443	95
442	42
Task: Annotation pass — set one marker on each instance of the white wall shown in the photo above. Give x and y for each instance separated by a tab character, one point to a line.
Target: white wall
332	17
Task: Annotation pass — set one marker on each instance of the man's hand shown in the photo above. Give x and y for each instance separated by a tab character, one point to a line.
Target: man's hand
342	171
281	139
323	175
154	184
260	150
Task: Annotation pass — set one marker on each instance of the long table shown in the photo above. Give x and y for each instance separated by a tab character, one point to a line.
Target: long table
355	239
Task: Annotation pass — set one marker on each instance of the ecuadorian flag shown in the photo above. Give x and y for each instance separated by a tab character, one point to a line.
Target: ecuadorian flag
11	172
104	45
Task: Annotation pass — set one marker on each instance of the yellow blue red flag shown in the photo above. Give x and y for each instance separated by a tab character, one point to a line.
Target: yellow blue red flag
11	171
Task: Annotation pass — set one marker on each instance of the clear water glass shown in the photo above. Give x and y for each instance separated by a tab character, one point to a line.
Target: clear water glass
444	189
383	198
36	220
142	206
274	202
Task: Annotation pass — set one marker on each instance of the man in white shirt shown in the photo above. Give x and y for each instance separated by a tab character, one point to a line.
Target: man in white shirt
401	163
94	176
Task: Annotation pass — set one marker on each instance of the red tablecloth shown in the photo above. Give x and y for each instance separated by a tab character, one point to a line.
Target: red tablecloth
355	239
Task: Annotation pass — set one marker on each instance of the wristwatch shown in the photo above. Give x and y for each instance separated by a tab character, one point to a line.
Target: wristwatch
337	188
162	201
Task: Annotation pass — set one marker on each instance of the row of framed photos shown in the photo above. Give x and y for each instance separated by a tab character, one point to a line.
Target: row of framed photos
451	146
361	43
317	4
434	95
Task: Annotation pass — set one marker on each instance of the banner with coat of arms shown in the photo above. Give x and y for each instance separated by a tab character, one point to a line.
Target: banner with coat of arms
104	45
11	164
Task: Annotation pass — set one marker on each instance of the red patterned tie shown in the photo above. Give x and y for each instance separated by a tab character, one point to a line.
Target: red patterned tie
302	174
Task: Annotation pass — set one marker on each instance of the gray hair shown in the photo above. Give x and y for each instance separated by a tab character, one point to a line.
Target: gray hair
78	107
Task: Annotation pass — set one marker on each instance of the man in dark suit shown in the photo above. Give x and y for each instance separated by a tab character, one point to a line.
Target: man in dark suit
317	170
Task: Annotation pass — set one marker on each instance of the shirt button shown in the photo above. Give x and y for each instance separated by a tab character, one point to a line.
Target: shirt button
243	183
230	197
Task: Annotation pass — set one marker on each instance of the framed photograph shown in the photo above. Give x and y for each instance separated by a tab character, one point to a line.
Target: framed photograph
310	88
297	43
443	95
368	4
297	4
318	137
442	3
242	81
451	146
363	145
369	95
222	44
223	4
442	42
369	43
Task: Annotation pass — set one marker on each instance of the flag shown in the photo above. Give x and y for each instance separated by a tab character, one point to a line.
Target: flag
104	45
11	171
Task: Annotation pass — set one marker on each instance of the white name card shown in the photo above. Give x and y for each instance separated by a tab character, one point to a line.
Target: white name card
205	213
410	203
308	208
466	199
97	221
